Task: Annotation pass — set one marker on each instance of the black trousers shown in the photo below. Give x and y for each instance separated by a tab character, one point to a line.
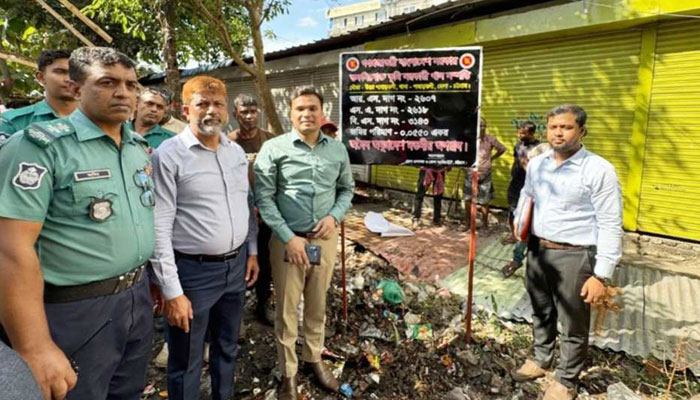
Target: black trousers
109	338
418	201
554	282
264	282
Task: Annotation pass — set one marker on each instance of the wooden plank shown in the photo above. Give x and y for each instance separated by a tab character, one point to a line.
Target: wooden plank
87	21
18	60
65	23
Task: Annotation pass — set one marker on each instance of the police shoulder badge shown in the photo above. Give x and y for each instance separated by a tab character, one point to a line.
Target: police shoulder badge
29	176
100	210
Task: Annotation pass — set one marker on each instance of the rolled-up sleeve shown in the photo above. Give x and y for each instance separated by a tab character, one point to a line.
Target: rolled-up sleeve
164	269
607	202
345	188
265	170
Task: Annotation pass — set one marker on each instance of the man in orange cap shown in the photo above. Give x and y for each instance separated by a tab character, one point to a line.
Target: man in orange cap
329	128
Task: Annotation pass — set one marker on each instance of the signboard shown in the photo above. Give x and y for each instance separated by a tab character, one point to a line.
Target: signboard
414	107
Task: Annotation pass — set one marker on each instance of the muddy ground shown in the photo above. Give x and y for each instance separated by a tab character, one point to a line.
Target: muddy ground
381	354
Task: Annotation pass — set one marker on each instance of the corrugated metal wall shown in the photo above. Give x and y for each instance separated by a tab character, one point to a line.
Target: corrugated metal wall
523	81
670	192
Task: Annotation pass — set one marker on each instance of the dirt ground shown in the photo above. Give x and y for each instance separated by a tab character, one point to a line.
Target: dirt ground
416	349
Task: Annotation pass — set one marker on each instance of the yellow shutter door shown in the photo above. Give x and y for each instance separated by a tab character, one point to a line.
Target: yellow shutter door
598	72
670	194
523	81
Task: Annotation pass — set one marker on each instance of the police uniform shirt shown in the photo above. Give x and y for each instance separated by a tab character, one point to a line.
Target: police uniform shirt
13	121
94	199
154	136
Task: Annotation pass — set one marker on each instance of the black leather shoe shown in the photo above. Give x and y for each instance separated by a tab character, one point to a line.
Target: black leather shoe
288	388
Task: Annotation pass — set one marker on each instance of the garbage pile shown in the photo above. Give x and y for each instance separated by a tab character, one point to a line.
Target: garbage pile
404	340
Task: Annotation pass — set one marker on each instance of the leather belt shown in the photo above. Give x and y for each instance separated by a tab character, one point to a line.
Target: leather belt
117	284
548	244
210	258
303	234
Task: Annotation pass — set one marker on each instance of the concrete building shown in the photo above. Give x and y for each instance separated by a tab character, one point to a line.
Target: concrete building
356	16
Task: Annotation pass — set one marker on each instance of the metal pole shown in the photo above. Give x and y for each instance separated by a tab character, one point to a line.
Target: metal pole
472	254
342	265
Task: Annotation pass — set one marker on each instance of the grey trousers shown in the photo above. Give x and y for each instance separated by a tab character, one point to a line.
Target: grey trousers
554	282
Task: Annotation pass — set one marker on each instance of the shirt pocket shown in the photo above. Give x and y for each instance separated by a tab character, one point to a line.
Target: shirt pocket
87	197
328	173
573	195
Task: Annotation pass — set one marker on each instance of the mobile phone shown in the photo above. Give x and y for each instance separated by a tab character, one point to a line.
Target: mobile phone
313	253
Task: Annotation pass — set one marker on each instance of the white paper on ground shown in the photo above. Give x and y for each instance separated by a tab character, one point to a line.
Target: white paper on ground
376	223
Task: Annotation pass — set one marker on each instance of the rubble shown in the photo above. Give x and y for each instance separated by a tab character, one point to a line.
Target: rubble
620	391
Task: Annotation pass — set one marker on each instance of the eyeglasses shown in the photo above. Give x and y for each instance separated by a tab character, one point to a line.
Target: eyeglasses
142	180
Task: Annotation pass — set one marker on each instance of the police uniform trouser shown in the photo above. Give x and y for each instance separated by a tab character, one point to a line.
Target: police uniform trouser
291	281
554	282
109	338
217	293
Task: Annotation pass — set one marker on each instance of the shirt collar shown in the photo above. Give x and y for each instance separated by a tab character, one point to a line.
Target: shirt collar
576	158
85	129
295	136
154	129
43	108
189	139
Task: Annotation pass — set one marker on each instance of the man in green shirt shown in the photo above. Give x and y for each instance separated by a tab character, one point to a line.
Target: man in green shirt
303	189
76	218
150	108
58	101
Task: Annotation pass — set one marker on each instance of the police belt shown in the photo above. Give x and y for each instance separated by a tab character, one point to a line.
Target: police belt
109	286
210	258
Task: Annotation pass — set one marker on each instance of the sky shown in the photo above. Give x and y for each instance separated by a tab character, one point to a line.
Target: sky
306	22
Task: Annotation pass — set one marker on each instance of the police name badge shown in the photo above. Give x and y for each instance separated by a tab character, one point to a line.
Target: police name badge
29	176
100	210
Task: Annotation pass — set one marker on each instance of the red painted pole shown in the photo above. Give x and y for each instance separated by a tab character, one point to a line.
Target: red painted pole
342	265
472	253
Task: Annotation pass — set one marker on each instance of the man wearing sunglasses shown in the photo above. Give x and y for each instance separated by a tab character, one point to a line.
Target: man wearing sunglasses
206	251
76	221
150	108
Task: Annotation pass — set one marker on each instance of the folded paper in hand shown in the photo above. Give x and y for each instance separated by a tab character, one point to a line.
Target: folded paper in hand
376	223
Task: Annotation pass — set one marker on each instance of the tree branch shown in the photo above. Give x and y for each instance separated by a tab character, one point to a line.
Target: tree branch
225	38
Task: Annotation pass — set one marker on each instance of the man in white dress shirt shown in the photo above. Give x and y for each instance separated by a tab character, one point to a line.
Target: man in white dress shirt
206	248
575	243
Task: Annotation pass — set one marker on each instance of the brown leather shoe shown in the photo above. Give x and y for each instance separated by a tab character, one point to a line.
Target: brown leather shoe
288	388
557	391
325	377
527	372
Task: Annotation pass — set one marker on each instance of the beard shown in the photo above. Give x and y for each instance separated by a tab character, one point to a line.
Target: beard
210	126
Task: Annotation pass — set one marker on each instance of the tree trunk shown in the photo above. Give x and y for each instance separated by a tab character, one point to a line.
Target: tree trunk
264	92
172	72
7	82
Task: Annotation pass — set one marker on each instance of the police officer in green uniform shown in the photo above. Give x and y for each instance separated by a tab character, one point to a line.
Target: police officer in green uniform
58	101
76	221
150	109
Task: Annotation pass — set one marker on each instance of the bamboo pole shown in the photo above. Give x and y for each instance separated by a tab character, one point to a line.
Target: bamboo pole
65	23
18	60
87	21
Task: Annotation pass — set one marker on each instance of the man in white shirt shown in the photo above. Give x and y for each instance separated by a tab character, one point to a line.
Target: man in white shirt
575	243
206	251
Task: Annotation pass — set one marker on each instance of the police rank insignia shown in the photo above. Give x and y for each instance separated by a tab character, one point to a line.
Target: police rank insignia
29	176
100	210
